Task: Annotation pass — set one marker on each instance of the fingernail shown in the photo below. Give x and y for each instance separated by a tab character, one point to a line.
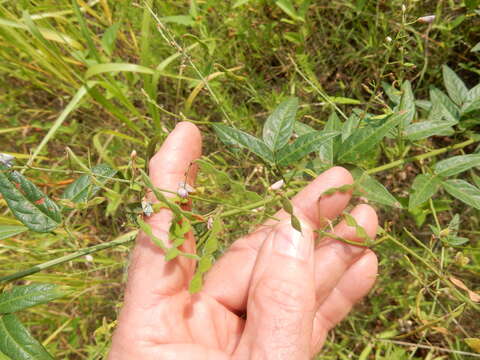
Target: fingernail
290	242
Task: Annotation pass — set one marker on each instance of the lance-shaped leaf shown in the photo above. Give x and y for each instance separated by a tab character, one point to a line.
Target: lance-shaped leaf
407	104
472	101
279	126
84	188
29	205
423	188
365	139
463	191
442	107
22	297
326	151
368	187
425	129
303	146
7	231
17	343
455	86
456	164
231	136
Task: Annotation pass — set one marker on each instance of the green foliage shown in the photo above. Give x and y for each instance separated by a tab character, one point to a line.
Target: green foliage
22	297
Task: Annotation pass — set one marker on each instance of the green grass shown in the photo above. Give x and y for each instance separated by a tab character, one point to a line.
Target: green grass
233	64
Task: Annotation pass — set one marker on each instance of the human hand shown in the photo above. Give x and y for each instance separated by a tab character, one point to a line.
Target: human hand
291	289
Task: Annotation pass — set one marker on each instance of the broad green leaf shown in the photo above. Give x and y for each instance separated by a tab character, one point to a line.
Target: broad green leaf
327	150
17	343
463	191
423	188
4	357
393	94
472	102
279	126
455	86
443	107
29	205
301	129
455	240
373	190
407	104
365	139
22	297
303	146
7	231
471	107
231	136
425	129
456	164
84	188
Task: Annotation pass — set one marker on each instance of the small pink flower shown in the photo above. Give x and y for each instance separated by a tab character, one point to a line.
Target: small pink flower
427	19
277	186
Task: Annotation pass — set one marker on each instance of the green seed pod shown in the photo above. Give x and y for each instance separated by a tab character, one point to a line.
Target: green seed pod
296	223
287	205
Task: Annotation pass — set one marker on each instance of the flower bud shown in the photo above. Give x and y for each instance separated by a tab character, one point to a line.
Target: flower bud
277	186
388	39
182	192
427	19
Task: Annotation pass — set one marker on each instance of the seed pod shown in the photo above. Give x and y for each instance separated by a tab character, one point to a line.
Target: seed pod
287	205
296	223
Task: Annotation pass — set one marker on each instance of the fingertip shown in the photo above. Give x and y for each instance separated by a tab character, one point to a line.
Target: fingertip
340	172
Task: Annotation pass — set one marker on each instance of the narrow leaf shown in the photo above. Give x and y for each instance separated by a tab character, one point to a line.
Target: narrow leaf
407	104
425	129
423	188
326	151
365	139
303	146
349	126
455	86
463	191
456	164
231	136
279	126
22	297
17	343
29	205
7	231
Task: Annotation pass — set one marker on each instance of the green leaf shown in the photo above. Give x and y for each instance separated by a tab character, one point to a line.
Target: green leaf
455	240
456	164
349	126
365	139
109	37
84	189
463	191
425	129
443	107
231	136
472	102
17	343
423	188
476	47
4	357
22	297
373	190
288	8
303	146
407	104
301	129
179	20
455	86
117	67
279	126
29	205
7	231
326	151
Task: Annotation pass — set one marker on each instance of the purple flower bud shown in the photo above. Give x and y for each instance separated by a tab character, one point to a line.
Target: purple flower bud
426	19
182	192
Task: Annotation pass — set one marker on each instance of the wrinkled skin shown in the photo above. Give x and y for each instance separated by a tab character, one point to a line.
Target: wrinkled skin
274	295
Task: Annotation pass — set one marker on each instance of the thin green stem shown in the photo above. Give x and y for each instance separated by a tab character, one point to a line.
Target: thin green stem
124	239
420	157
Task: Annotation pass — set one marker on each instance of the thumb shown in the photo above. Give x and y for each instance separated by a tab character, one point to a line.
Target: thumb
281	301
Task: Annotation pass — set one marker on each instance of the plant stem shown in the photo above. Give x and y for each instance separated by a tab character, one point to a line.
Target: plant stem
123	239
420	157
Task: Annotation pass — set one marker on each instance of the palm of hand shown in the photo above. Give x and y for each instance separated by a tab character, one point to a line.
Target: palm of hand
275	276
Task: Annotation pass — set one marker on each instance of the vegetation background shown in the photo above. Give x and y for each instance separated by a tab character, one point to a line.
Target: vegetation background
65	82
